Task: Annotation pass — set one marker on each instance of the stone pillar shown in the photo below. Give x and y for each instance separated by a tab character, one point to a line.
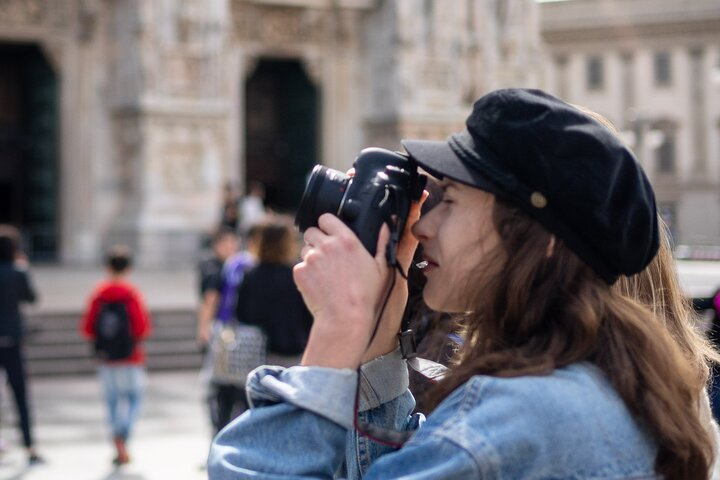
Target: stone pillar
698	113
627	86
430	64
170	118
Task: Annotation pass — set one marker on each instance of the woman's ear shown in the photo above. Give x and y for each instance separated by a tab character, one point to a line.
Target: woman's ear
550	247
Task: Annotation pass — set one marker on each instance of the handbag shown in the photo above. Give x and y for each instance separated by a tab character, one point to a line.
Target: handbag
235	350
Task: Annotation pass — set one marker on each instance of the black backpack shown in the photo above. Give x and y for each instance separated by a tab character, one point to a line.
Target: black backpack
113	339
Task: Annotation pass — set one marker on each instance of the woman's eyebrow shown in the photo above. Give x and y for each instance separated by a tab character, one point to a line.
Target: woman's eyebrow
446	184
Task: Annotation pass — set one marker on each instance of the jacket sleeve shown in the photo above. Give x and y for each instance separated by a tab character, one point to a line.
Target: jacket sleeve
312	403
263	442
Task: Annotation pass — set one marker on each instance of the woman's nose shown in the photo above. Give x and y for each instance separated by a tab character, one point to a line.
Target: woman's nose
419	230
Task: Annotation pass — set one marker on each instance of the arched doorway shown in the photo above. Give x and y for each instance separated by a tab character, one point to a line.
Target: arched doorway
281	136
28	147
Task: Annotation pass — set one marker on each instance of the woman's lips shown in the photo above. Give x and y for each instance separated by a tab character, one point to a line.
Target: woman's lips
426	265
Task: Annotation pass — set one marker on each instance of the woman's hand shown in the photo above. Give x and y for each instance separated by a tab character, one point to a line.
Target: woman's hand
342	285
385	340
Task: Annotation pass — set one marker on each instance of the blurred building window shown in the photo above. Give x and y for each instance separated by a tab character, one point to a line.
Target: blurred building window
662	69
595	74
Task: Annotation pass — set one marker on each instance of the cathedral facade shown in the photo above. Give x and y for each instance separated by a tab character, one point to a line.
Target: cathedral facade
121	120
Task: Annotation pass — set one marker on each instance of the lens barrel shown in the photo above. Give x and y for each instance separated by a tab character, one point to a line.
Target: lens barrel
324	193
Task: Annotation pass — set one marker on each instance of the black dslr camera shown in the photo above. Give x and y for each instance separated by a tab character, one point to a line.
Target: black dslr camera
384	185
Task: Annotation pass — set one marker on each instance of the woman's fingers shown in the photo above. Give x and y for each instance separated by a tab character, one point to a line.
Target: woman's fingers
332	225
382	242
314	237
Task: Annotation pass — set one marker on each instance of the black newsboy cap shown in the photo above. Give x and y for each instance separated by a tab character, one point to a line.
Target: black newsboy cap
562	167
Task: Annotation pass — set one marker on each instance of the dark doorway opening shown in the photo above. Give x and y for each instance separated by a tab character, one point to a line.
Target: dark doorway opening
281	136
28	148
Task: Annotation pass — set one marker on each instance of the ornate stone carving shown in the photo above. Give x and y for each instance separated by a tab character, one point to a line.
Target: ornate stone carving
181	165
30	12
182	51
275	25
437	74
184	73
128	139
182	168
35	12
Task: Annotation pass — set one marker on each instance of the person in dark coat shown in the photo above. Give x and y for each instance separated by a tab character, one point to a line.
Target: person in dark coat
15	288
712	303
268	297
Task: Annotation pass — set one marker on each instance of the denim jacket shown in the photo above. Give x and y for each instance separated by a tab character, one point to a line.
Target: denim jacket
570	424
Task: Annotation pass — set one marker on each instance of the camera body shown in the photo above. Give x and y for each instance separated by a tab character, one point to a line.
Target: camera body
382	190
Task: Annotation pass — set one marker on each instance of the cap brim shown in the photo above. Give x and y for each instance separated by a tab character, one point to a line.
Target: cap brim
441	161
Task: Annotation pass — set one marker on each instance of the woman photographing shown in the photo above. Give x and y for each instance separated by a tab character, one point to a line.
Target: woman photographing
559	376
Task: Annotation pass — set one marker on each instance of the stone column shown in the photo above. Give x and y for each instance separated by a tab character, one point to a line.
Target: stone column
171	123
698	113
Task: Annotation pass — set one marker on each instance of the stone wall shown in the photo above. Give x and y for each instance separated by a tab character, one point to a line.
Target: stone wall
153	115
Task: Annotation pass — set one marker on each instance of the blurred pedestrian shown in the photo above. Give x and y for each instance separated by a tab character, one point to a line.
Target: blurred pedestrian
252	207
712	304
16	288
268	297
116	320
224	245
230	214
232	349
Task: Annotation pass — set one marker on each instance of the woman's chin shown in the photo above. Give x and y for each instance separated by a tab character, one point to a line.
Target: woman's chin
438	303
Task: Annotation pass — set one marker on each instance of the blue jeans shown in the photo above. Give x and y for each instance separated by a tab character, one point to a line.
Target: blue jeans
123	388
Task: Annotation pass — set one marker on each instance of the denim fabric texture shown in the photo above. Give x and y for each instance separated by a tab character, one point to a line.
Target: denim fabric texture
123	389
570	424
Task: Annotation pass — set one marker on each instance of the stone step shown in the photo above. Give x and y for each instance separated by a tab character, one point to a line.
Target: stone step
54	337
80	350
188	361
55	347
69	321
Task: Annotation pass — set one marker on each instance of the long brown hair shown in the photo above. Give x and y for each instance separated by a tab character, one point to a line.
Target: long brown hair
537	310
657	288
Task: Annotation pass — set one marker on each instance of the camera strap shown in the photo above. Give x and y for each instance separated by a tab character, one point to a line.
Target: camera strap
430	370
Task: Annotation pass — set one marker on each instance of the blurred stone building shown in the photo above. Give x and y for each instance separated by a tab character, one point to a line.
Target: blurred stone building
653	68
120	120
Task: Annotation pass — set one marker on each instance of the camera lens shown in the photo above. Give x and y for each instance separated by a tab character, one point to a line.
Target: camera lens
323	194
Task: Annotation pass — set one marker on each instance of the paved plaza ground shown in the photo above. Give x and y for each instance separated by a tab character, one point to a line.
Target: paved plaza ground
170	442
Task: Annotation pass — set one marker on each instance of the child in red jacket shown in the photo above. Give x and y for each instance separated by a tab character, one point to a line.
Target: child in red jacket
116	320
